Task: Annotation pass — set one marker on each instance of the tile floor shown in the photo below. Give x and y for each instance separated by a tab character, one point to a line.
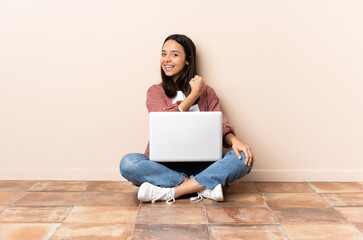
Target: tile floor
62	210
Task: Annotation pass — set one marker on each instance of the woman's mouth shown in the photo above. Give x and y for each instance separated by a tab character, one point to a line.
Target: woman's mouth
169	67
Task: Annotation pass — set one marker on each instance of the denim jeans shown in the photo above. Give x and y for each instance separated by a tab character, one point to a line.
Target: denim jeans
137	168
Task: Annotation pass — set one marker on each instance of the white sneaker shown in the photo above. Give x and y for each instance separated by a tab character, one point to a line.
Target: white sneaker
151	193
216	194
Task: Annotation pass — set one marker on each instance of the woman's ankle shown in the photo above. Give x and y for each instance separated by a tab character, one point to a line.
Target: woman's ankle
190	185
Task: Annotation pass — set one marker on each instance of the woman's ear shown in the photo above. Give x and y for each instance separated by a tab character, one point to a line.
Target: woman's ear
186	62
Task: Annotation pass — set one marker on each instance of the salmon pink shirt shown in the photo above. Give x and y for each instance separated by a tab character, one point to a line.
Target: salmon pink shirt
157	101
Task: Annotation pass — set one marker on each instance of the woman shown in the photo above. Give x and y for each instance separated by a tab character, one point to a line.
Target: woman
183	90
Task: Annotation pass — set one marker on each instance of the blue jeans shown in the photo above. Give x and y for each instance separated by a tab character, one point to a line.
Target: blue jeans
137	168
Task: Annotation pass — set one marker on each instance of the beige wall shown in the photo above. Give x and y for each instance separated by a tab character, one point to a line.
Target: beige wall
74	76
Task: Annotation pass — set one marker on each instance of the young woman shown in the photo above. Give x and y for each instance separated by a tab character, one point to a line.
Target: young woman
183	90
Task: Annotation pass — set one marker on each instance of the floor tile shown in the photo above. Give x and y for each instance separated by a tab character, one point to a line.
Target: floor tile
283	187
15	185
304	215
93	231
240	187
108	210
171	215
34	214
119	186
238	200
322	232
171	231
127	199
47	199
312	200
336	187
27	231
353	214
104	214
7	198
257	215
59	186
345	199
247	232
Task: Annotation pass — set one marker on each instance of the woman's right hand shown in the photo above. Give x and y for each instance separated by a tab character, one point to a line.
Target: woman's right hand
197	85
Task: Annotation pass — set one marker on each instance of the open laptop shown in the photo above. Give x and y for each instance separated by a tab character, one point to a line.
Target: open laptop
185	136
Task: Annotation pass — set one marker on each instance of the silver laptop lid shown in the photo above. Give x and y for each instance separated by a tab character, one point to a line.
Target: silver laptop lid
185	136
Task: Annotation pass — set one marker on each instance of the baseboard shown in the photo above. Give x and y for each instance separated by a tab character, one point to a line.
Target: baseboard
114	175
62	174
305	175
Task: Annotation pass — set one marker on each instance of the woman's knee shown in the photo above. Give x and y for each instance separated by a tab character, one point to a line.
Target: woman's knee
239	164
245	168
128	162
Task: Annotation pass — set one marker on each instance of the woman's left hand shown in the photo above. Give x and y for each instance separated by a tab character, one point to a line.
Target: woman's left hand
239	146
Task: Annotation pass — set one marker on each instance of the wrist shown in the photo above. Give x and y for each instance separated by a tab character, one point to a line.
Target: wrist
193	95
233	139
230	139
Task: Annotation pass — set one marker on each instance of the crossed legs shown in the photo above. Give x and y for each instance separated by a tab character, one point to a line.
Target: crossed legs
137	168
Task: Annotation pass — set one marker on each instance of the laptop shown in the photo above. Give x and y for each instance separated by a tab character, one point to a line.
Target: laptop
185	136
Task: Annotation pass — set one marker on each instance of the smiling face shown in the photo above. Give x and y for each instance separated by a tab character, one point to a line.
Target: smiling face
172	59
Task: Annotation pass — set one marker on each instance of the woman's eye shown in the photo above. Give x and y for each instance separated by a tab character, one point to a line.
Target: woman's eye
163	54
175	55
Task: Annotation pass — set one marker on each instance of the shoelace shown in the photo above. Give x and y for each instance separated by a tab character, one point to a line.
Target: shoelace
170	199
197	198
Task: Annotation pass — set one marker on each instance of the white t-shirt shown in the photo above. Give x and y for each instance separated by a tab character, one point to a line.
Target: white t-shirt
180	97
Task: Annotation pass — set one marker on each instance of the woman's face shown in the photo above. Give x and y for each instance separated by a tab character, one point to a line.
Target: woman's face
172	59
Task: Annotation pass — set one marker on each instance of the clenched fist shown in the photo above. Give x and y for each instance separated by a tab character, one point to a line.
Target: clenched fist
197	84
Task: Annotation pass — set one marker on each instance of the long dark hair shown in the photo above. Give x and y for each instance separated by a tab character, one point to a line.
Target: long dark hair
189	71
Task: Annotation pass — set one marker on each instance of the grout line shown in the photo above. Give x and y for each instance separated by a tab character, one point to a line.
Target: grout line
326	199
311	186
133	227
12	203
269	208
346	218
71	208
206	218
322	195
36	182
27	191
22	195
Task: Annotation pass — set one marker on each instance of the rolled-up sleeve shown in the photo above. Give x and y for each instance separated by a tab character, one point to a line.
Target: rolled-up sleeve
214	105
156	101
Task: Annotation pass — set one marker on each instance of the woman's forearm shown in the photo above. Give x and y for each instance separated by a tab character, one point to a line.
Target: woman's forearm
230	138
188	102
